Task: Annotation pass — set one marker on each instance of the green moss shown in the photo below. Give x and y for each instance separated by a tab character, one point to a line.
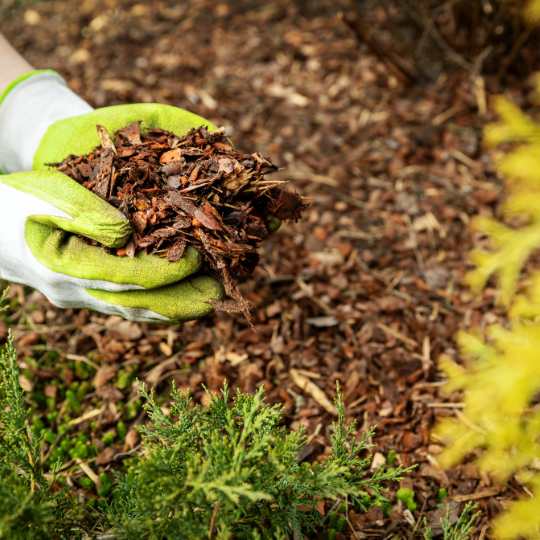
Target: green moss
442	493
105	485
109	437
406	496
86	483
121	429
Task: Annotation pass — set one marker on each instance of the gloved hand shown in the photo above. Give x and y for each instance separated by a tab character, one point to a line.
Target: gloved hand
41	122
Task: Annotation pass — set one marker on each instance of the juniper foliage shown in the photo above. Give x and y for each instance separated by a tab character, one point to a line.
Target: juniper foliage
28	507
233	471
462	529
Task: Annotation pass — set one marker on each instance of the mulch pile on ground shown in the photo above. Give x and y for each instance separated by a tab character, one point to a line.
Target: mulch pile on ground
195	190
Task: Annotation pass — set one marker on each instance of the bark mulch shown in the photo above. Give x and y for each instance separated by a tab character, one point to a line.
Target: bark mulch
195	190
365	290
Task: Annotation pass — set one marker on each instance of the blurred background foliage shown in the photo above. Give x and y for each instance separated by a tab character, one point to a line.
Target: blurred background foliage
481	36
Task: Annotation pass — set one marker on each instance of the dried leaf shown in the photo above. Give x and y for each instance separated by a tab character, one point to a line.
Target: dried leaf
172	156
176	251
131	439
25	383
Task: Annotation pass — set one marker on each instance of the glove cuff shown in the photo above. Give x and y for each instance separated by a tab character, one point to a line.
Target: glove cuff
28	106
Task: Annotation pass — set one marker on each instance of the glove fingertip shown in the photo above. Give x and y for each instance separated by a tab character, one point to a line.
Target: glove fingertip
187	300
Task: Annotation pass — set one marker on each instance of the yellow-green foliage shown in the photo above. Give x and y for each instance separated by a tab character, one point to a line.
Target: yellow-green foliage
501	378
512	246
532	11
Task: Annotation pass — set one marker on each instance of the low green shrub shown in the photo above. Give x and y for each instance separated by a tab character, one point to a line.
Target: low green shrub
227	470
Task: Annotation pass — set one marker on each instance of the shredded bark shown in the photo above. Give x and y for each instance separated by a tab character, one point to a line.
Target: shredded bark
196	190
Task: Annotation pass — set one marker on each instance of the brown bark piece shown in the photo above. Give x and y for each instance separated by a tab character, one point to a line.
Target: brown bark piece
103	176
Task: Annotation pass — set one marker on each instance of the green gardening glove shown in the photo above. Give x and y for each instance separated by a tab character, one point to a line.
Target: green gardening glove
39	209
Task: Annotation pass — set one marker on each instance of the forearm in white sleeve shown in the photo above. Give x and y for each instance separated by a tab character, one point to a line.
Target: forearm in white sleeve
28	107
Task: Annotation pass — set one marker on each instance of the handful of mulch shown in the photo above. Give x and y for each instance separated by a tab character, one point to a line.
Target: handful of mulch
195	190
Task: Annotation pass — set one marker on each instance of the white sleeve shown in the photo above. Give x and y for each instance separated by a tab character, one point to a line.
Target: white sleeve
27	111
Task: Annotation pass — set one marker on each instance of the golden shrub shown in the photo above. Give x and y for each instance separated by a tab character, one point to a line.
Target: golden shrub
501	377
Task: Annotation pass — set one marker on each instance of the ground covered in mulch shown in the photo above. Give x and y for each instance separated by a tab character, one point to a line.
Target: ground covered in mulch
365	290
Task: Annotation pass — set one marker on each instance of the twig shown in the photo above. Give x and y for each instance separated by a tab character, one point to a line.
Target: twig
427	24
405	74
213	520
88	471
518	44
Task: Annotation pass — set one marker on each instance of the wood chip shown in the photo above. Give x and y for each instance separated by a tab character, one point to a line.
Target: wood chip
311	388
104	374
